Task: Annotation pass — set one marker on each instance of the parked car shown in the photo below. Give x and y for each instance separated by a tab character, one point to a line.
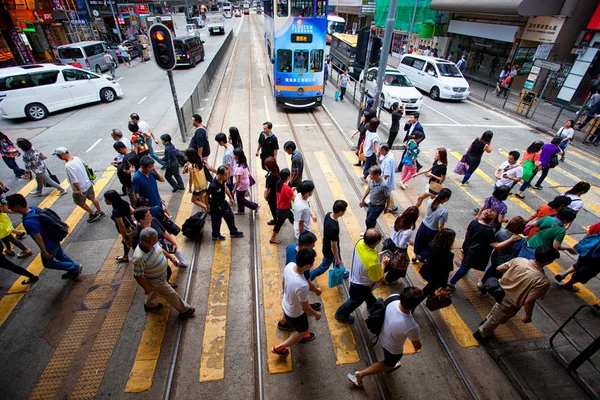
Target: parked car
132	47
396	88
436	76
34	91
89	54
189	50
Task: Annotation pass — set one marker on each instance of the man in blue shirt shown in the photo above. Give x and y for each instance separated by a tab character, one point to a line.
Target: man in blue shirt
52	254
144	182
297	163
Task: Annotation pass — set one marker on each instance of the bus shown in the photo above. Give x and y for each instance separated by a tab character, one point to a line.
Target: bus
335	24
295	43
350	52
227	10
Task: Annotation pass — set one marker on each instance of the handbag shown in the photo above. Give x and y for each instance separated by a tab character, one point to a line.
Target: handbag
461	168
435	187
442	299
406	160
361	153
337	95
528	229
529	168
53	177
388	244
336	276
170	226
553	163
400	261
251	179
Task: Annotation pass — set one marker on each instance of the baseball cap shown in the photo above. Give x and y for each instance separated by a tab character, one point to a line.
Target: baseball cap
60	150
370	101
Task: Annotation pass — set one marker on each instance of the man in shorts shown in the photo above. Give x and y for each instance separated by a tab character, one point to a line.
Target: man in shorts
295	301
83	188
398	325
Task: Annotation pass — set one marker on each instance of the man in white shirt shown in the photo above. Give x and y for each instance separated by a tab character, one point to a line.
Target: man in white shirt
387	162
148	134
398	325
228	159
295	301
83	188
302	213
509	172
371	146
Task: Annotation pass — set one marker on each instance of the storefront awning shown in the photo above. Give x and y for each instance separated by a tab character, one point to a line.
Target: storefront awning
524	8
503	33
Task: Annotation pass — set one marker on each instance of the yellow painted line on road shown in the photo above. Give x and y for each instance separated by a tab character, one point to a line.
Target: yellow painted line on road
272	296
353	226
584	293
585	157
478	171
584	169
49	200
8	304
28	188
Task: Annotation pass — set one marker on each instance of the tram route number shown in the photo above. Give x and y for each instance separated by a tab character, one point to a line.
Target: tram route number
305	38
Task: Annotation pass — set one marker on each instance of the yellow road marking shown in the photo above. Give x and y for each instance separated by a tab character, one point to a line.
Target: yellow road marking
8	304
584	169
25	190
271	280
584	293
478	171
586	158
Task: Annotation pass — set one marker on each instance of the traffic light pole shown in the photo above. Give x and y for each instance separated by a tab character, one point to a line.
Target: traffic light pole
387	41
363	84
176	103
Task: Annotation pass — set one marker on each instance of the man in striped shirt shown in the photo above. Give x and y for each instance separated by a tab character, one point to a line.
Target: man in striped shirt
150	271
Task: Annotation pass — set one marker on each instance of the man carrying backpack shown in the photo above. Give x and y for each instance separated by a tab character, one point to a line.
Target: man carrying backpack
47	230
79	178
398	325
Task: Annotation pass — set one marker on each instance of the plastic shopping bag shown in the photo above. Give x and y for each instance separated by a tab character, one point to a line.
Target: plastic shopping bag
337	95
336	276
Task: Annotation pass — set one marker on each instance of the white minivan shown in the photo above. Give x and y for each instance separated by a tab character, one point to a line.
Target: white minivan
436	76
34	91
89	54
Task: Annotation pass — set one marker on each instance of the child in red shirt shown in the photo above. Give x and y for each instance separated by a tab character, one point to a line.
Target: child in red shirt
285	195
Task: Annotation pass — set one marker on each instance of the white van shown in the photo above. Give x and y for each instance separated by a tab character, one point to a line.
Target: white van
436	76
89	54
34	91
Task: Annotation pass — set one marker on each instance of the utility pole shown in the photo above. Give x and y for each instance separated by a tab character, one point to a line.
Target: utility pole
363	85
112	10
387	42
412	25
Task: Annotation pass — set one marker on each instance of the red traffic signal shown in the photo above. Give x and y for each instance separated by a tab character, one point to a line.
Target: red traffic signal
162	47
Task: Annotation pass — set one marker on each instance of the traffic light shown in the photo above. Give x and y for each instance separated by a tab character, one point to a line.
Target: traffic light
162	46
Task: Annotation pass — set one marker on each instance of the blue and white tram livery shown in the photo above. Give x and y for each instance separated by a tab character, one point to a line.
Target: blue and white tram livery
295	36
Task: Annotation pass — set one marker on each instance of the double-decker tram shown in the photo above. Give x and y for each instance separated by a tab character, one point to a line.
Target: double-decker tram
295	34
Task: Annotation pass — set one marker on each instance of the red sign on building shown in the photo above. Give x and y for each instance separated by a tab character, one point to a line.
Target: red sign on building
594	23
43	16
21	16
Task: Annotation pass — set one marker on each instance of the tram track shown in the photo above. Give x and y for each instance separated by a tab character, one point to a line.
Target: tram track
358	191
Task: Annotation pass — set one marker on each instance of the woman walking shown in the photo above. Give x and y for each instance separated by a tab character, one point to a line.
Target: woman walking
440	262
34	162
235	139
575	194
546	210
197	182
171	163
566	133
496	202
271	187
549	151
401	235
410	159
242	182
531	164
475	152
434	221
285	195
436	174
588	265
9	154
121	215
480	239
361	131
370	146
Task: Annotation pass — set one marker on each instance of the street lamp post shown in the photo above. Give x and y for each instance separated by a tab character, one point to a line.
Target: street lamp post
363	84
412	24
387	41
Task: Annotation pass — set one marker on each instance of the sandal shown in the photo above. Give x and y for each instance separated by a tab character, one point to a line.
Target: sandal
275	241
519	196
570	288
21	235
8	252
122	259
30	281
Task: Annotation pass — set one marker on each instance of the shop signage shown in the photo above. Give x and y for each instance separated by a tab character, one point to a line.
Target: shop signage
25	27
595	21
543	29
549	65
36	4
120	21
56	5
21	16
43	16
543	51
15	4
346	3
141	9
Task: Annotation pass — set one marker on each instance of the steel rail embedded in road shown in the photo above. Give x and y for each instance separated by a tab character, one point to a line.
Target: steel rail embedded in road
427	313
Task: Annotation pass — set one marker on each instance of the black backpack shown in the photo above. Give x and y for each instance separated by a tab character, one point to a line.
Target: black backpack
180	157
192	227
377	314
54	228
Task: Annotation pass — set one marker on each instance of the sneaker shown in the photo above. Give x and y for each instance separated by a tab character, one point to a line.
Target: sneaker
280	352
102	214
482	295
537	187
157	307
30	280
479	284
36	193
239	213
93	218
479	337
62	193
402	185
237	234
346	275
309	337
398	365
393	209
220	237
354	379
349	319
285	327
271	222
559	277
188	313
315	306
75	275
451	287
25	253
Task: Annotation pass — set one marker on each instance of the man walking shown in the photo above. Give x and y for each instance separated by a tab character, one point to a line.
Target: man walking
297	163
509	173
219	207
128	162
267	144
380	197
331	239
365	275
228	159
138	140
148	135
109	60
295	302
524	282
343	84
302	213
117	136
411	128
150	272
83	188
398	325
144	182
387	163
397	115
41	225
200	139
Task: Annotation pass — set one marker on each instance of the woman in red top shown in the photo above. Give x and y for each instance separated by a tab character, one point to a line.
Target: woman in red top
285	195
547	210
530	162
